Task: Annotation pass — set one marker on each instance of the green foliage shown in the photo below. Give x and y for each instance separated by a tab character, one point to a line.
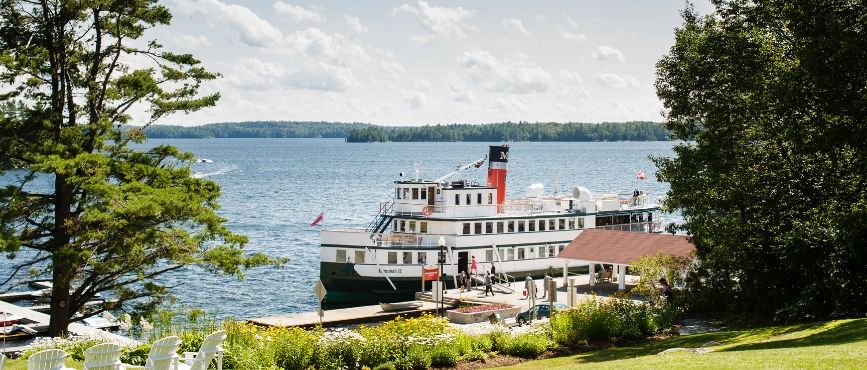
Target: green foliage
772	177
136	355
611	320
255	129
96	215
294	348
508	131
527	345
653	267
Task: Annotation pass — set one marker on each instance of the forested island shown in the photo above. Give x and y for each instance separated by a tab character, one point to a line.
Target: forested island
362	133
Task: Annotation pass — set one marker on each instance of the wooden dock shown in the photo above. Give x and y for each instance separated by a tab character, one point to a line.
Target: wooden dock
342	316
41	321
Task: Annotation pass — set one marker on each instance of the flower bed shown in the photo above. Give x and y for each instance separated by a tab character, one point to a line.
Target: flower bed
481	313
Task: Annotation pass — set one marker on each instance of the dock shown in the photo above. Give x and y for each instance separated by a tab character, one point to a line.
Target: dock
342	316
39	321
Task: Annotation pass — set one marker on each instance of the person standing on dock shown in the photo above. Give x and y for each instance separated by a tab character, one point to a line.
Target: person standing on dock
547	282
474	266
488	285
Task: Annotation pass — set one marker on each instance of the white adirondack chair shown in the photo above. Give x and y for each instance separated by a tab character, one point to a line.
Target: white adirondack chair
209	351
163	355
49	359
2	361
104	356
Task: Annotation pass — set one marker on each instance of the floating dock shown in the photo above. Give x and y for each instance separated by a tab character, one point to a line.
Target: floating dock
342	316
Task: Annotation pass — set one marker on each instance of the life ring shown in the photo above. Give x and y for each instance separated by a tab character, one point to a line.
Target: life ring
427	210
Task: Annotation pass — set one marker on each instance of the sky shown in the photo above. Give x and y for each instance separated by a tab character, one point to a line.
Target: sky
426	62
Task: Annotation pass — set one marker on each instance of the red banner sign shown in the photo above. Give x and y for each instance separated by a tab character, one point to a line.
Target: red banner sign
430	273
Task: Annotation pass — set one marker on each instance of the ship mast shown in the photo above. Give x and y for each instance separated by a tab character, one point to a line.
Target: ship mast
476	164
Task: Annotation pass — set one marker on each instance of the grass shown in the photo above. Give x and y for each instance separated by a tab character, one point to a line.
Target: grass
840	344
21	364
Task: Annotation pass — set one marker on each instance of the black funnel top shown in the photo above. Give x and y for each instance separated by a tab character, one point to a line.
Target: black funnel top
499	153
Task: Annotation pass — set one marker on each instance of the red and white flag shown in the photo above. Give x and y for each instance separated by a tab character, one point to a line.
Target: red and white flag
641	175
318	219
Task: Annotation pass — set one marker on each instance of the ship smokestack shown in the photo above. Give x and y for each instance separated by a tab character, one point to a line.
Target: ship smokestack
498	157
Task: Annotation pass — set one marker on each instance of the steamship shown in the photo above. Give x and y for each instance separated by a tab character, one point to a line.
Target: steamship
385	260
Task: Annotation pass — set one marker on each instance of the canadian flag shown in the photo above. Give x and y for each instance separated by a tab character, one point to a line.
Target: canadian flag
318	219
641	175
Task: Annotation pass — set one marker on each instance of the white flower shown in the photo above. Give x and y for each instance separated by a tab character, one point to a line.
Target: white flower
145	325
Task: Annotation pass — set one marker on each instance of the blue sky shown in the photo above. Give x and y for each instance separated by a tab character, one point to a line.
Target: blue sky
426	62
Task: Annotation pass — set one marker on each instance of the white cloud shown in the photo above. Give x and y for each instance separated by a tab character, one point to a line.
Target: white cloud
439	21
254	31
605	52
611	79
572	36
415	99
509	104
571	77
460	93
539	18
298	13
332	48
516	25
570	21
254	74
193	42
355	24
506	76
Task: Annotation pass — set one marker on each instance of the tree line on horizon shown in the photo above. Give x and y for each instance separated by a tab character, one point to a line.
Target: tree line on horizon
361	132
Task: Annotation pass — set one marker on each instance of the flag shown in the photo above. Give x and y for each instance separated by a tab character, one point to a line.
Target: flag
318	219
641	175
479	163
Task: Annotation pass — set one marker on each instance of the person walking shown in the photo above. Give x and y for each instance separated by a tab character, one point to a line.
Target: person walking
488	285
527	283
474	266
546	283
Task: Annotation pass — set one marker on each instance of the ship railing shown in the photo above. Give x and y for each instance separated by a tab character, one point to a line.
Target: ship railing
414	240
644	227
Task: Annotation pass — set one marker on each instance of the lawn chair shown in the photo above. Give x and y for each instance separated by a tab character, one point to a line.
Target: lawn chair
163	355
2	361
209	351
104	356
49	359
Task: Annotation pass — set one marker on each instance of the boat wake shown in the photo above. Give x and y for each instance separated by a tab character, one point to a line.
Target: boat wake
221	171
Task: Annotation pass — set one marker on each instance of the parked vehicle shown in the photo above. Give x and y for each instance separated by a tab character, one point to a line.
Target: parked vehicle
537	312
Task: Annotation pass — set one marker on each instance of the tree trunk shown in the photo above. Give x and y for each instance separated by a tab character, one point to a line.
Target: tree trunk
60	303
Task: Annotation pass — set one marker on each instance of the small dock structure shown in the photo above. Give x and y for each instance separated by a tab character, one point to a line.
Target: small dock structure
342	316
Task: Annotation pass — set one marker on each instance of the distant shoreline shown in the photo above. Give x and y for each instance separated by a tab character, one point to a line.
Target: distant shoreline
362	132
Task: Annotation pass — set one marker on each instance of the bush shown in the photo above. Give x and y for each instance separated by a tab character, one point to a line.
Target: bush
612	319
416	359
136	355
293	348
499	340
339	349
444	355
528	345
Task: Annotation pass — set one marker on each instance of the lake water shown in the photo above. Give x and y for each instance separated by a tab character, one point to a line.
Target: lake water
273	189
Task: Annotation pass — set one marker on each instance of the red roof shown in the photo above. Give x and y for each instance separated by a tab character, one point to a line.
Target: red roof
624	247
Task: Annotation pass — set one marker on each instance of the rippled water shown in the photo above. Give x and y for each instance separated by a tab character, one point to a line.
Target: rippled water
273	188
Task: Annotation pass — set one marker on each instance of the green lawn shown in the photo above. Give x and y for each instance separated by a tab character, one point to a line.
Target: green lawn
838	344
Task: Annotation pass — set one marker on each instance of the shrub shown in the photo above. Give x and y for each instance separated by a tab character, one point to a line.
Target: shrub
73	345
293	348
136	355
529	345
339	349
416	358
499	340
444	355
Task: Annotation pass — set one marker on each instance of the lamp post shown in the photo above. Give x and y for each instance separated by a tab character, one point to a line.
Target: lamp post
442	257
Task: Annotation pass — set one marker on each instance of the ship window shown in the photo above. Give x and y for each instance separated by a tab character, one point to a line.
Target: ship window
402	226
392	258
341	256
414	193
478	227
359	256
407	258
542	251
531	226
511	254
562	224
423	193
520	226
511	226
521	253
438	190
479	198
552	224
421	258
489	256
499	227
469	199
423	225
490	198
503	255
541	225
457	199
571	224
551	249
560	249
405	193
466	228
412	226
489	227
580	223
397	192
